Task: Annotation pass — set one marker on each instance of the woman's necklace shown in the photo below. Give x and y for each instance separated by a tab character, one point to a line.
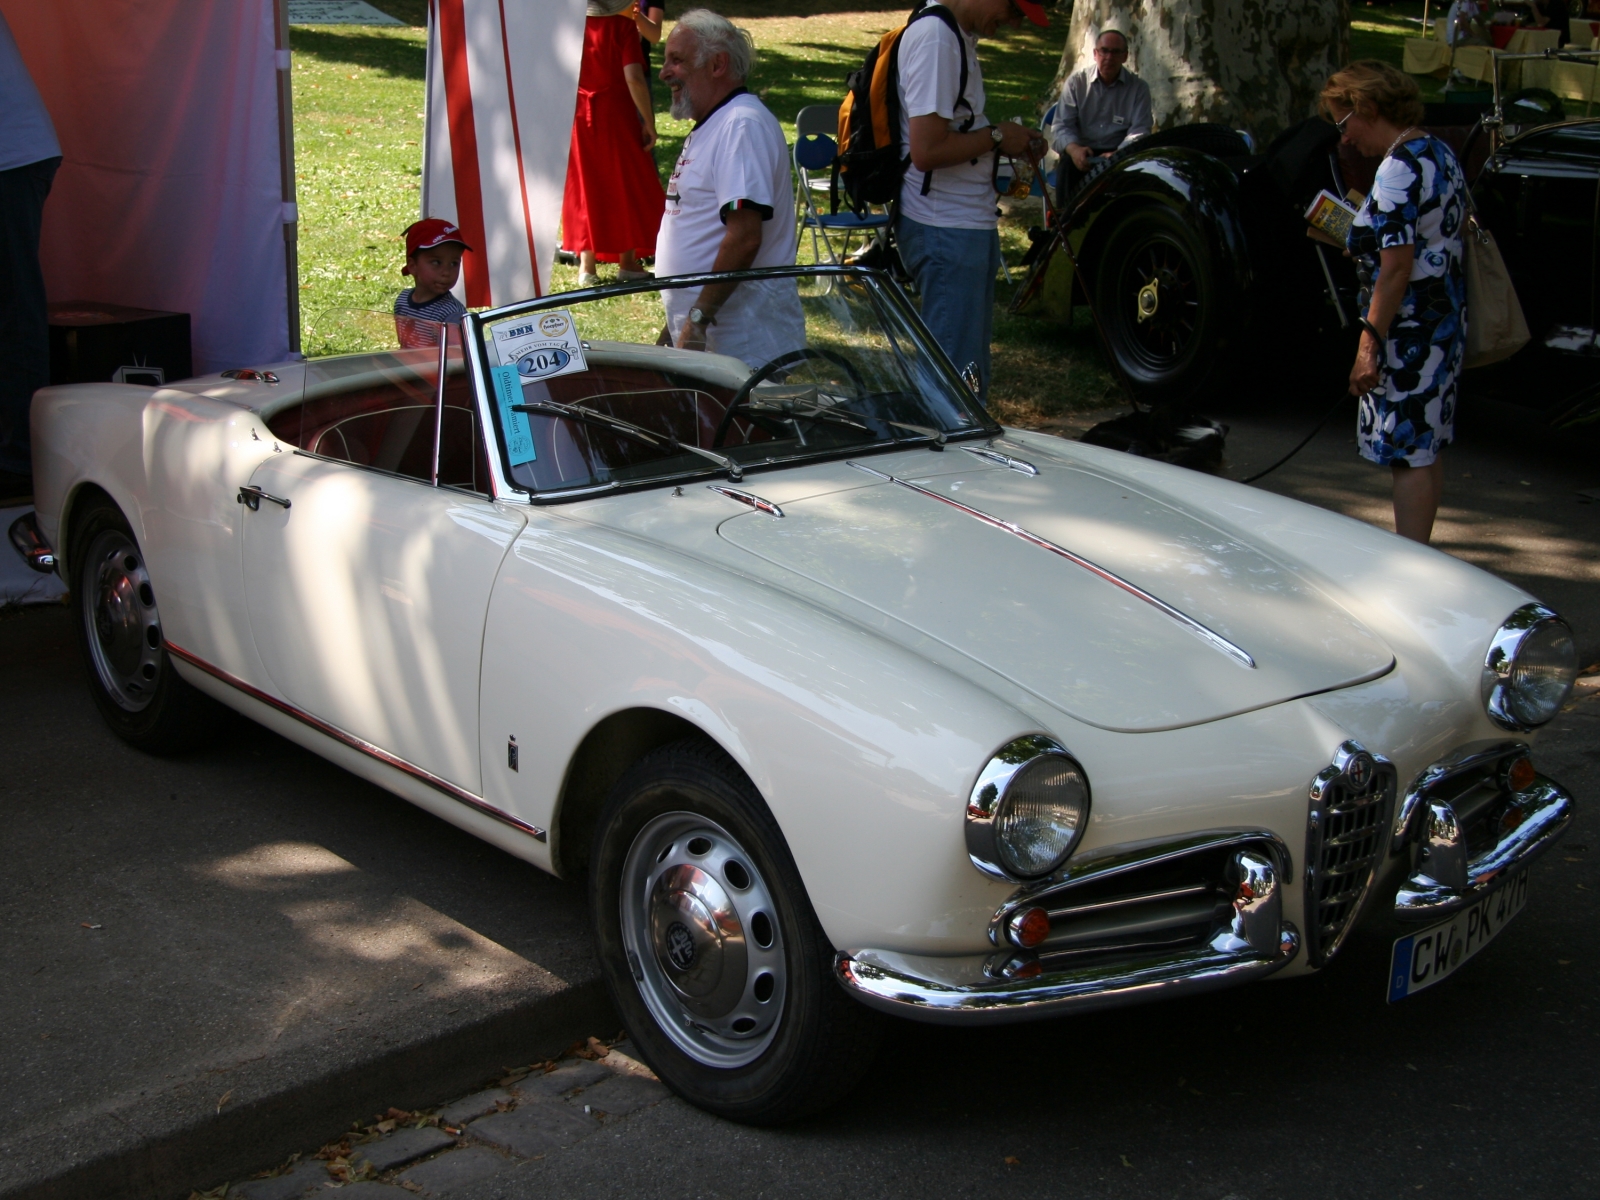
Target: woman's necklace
1399	139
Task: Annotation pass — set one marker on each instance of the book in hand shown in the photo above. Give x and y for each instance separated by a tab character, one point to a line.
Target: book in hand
1331	216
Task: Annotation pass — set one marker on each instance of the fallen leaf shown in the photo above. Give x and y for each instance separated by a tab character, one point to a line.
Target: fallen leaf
385	1127
1125	1161
598	1048
86	925
226	1096
398	1114
1013	1161
415	986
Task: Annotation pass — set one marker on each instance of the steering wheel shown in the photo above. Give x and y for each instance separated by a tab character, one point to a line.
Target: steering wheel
764	372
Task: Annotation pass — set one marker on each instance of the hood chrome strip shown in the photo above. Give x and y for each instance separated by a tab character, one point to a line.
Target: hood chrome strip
1215	639
743	497
1005	460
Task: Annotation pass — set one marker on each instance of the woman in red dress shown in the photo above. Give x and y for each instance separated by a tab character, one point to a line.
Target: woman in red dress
613	203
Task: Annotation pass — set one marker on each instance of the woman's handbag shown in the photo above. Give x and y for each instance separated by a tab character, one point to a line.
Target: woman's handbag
1496	328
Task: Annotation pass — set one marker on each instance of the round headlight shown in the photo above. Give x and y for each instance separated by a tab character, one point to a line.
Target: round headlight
1028	810
1528	673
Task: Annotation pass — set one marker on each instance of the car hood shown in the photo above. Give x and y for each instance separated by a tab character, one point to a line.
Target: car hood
1108	635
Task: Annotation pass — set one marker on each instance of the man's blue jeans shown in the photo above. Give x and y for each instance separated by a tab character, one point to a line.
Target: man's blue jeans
954	270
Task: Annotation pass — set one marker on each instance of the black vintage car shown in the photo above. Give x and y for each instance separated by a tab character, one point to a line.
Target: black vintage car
1193	250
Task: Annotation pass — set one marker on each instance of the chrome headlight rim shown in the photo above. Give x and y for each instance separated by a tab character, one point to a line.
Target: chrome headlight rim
1499	666
987	806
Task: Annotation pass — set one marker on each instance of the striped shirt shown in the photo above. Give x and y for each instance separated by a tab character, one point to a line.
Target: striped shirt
415	324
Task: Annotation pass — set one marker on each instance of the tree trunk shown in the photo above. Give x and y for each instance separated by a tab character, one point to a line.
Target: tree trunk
1248	64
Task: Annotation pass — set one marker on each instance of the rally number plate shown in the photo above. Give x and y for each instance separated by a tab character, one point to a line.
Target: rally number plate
1422	959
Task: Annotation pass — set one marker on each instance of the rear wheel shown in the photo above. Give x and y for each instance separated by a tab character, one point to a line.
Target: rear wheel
1158	297
710	948
119	630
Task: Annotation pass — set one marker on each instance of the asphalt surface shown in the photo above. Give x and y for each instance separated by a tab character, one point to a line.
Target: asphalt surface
283	949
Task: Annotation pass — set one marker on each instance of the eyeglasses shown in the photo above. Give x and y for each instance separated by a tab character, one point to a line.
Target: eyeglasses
1112	51
1340	123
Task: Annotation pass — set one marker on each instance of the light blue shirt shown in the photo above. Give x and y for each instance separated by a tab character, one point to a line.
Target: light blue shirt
26	132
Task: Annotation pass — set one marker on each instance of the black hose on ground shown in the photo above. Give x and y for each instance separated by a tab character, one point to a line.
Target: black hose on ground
1304	442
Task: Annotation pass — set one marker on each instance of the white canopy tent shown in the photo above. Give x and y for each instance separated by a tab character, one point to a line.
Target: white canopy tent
176	189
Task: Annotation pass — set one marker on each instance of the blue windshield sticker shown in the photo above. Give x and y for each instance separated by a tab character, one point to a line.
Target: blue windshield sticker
519	435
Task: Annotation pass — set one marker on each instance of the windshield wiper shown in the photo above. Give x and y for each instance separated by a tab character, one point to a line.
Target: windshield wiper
936	434
628	429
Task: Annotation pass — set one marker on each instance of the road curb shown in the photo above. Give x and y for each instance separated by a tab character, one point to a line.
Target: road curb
166	1164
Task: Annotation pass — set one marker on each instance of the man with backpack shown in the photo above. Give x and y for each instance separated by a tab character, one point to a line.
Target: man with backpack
947	225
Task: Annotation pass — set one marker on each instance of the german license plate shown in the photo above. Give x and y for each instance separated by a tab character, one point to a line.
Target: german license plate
1422	959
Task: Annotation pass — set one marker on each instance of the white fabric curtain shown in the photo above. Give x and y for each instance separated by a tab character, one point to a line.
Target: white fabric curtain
169	194
502	87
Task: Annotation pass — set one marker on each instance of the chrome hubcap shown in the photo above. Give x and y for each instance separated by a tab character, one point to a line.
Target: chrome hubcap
703	941
119	611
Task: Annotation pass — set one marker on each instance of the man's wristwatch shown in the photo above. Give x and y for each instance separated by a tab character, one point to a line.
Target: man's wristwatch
995	135
699	316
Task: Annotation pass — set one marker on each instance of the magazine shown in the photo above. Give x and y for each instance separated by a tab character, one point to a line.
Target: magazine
1331	217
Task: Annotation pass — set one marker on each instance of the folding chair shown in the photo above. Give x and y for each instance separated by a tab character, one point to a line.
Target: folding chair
814	154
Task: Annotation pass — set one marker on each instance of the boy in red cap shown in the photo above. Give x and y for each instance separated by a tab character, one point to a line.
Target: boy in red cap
433	258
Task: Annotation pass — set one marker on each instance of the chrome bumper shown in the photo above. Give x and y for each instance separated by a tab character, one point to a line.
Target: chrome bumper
1250	940
30	544
1446	879
958	992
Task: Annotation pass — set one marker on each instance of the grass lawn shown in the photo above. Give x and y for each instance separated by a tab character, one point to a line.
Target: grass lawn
358	128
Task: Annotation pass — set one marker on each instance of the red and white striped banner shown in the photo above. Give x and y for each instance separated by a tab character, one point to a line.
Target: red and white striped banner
502	86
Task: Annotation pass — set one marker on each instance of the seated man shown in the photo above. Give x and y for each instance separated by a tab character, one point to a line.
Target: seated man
1102	108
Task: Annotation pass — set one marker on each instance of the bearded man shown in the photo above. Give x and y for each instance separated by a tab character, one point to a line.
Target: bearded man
729	201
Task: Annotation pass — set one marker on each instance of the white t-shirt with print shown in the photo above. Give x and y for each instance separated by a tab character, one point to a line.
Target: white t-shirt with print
737	153
961	196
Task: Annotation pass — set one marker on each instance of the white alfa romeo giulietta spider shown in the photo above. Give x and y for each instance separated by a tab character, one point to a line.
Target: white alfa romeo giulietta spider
844	699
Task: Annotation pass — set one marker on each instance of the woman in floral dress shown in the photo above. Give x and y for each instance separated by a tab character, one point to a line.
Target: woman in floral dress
1406	242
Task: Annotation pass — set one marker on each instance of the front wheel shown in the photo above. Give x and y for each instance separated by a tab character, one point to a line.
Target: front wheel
711	950
1160	300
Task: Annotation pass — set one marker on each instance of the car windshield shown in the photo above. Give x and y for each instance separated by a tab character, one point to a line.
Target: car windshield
799	364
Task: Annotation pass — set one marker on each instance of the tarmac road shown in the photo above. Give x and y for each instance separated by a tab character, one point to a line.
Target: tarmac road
213	962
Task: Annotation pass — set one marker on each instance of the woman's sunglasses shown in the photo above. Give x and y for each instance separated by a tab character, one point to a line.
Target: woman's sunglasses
1340	123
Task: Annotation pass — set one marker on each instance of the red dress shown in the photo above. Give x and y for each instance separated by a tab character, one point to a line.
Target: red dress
614	199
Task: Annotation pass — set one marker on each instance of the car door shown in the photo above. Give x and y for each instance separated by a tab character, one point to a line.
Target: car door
367	586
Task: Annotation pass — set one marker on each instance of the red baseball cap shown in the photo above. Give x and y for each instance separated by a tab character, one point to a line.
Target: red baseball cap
425	235
1034	11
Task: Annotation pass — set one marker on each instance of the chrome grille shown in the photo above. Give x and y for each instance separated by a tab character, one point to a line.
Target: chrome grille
1347	833
1131	902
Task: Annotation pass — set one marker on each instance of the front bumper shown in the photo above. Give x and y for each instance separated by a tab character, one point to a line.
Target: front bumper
1509	833
908	986
1132	923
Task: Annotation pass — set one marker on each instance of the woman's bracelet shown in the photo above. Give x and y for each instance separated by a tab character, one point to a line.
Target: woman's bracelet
1372	329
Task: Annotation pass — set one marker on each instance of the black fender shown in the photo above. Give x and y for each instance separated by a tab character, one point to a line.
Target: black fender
1201	189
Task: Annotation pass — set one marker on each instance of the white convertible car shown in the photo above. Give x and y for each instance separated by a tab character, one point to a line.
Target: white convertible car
842	697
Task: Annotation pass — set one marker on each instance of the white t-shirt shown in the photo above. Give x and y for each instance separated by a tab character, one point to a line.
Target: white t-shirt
961	196
737	153
26	132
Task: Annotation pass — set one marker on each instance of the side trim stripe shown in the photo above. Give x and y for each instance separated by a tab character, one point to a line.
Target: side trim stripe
1215	639
361	744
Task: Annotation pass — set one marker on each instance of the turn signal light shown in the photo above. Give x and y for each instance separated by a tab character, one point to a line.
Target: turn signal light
1520	776
1029	927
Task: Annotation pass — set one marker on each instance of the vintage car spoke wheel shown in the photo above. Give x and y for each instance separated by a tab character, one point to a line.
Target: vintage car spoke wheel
710	948
119	630
1157	295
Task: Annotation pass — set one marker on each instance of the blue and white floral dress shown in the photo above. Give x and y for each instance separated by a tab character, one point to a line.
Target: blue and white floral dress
1418	199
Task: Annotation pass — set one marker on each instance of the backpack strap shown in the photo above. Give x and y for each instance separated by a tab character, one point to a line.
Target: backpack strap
949	19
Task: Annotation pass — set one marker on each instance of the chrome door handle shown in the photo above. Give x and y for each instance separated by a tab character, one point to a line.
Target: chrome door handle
251	497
